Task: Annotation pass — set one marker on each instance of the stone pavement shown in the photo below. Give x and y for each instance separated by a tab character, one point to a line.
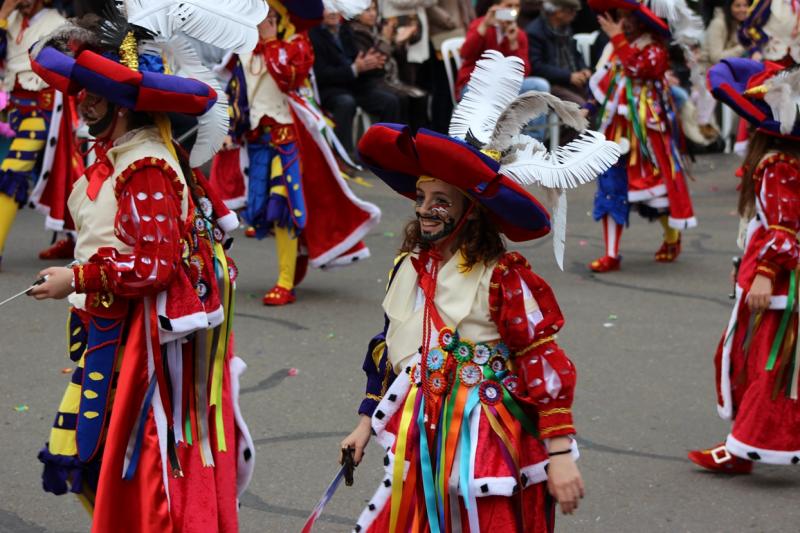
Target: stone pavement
642	340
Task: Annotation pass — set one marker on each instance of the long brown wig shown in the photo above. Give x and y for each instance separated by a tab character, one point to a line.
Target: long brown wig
479	240
758	147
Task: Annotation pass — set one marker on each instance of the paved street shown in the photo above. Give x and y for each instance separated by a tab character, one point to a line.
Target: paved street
642	340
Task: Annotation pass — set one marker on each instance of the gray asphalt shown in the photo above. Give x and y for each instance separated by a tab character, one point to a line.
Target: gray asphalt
642	340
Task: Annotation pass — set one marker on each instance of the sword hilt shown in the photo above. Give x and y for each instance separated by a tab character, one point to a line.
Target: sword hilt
349	464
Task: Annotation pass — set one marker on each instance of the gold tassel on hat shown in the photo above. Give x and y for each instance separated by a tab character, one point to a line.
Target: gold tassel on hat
129	52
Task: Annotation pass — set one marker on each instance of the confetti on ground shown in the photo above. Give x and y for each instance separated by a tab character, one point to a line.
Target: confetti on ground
588	213
388	234
331	335
21	408
608	325
66	370
583	243
292	372
733	213
612	317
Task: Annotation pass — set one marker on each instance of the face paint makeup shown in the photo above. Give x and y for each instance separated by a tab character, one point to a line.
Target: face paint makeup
441	215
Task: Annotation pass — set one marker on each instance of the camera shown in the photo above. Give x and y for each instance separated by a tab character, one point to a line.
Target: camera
506	15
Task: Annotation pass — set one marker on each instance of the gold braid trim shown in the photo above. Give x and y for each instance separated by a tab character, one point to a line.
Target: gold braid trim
374	397
129	52
556	411
81	281
103	279
535	344
553	429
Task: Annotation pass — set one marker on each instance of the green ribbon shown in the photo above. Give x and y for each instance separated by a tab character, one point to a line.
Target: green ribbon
787	314
634	118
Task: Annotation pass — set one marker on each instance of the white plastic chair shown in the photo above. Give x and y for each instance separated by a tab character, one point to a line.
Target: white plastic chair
361	118
451	51
727	133
584	41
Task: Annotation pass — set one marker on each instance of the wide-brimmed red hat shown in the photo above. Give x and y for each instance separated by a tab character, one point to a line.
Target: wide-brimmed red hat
745	86
400	159
133	89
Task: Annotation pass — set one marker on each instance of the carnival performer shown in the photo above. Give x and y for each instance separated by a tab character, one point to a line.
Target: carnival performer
771	31
295	190
756	360
637	110
152	404
468	393
31	104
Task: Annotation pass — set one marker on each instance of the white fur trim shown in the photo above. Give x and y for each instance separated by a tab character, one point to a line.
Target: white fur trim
682	223
647	194
772	457
49	152
235	203
229	222
345	260
50	223
216	317
246	465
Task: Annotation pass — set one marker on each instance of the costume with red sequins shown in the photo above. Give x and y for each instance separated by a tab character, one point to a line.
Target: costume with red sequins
637	110
756	365
467	425
153	401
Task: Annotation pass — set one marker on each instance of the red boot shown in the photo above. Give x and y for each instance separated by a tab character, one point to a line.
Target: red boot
719	459
277	295
63	249
250	232
668	252
605	264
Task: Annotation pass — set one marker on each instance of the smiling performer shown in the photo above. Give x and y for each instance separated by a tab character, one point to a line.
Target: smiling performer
31	104
757	370
467	391
152	404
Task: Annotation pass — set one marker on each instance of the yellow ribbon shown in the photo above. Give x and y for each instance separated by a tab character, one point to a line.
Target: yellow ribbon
400	456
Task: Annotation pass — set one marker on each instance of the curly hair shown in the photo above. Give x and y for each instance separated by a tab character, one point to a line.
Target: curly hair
479	240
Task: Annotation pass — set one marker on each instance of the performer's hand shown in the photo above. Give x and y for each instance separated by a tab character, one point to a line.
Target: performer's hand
358	439
758	298
8	7
57	286
610	27
565	483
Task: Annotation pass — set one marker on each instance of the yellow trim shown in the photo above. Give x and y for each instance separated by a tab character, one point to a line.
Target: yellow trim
782	228
377	353
27	145
553	429
535	344
374	397
3	24
556	411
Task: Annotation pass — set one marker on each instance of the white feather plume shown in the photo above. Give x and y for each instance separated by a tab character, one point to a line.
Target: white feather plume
493	85
783	98
557	198
685	25
525	108
569	166
347	8
213	125
226	24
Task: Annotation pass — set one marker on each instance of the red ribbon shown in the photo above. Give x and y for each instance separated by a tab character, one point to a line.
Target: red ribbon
98	172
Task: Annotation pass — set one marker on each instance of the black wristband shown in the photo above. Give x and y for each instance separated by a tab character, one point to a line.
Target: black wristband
562	452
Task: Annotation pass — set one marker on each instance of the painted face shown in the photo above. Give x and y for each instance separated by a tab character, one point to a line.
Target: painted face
739	9
630	24
96	111
439	207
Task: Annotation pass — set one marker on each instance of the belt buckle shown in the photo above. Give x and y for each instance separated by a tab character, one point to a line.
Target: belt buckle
720	454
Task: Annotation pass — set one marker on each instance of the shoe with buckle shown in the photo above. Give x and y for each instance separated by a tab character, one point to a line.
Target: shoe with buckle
719	459
605	264
62	249
668	252
278	295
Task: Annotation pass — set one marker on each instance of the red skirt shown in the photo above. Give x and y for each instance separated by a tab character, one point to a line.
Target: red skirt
766	421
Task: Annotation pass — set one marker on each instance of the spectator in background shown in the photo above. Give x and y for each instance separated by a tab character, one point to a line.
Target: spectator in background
553	53
402	13
363	35
498	30
347	80
447	19
721	36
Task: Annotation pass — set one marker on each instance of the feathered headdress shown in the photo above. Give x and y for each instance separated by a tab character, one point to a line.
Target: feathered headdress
487	156
491	117
141	56
682	24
